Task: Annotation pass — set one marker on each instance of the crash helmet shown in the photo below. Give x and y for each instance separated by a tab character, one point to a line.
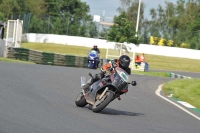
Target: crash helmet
95	46
124	61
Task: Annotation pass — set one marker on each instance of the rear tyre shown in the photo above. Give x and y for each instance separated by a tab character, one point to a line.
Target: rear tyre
101	104
80	100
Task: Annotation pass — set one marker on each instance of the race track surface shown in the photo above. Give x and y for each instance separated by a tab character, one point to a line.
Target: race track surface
41	99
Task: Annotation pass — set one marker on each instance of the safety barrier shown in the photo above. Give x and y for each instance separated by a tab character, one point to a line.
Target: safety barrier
47	58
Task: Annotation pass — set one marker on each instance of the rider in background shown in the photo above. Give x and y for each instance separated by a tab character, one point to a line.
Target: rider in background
98	51
96	48
123	62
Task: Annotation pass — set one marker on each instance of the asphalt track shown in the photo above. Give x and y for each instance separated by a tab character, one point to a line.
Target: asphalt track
40	99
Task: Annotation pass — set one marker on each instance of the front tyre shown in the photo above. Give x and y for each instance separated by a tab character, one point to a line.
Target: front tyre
80	100
90	65
101	104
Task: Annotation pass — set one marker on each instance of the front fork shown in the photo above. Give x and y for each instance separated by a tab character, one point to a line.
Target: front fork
102	94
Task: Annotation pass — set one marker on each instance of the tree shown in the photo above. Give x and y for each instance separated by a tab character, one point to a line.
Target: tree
122	30
144	30
72	14
75	11
36	25
153	27
53	8
7	7
104	33
67	15
35	7
2	17
175	22
130	7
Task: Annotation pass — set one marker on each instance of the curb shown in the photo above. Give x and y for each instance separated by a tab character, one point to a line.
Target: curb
174	75
177	105
189	106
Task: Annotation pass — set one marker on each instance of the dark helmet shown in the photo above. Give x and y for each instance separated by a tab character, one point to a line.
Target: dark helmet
124	61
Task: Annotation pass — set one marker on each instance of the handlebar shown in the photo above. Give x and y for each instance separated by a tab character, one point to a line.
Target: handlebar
133	83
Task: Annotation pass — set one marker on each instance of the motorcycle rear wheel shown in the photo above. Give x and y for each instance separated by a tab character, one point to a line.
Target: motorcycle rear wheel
80	100
100	105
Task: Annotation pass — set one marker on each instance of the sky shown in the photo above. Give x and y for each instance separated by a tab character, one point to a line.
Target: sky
97	7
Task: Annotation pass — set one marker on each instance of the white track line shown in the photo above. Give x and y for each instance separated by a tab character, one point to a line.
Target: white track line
158	94
186	104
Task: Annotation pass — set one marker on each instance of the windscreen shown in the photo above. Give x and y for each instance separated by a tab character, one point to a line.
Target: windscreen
93	52
123	74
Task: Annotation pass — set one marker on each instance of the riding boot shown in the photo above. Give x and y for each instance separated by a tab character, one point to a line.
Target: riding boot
118	97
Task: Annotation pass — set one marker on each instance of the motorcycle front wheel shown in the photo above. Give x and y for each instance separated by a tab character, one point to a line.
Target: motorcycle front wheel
80	100
90	65
103	102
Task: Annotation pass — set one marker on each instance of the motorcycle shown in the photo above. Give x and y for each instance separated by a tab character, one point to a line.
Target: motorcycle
105	90
93	59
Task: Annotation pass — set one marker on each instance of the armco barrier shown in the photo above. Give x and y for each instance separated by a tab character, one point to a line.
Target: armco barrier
47	58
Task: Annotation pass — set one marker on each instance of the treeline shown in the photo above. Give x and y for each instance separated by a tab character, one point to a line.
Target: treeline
178	21
51	16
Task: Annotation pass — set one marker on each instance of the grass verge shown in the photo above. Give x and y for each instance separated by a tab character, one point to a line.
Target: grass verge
12	60
58	48
157	74
184	89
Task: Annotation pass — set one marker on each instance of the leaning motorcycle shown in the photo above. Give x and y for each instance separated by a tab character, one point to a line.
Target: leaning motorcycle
93	59
104	91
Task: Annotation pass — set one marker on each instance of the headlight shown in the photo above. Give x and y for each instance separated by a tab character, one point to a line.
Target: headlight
92	58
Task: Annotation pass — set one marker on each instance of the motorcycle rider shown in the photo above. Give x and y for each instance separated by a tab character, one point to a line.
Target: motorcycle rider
123	62
98	51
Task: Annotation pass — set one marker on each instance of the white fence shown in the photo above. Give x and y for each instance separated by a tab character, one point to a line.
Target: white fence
89	42
64	39
14	33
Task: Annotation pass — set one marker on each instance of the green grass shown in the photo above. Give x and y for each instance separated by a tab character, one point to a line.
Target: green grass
173	63
155	61
157	74
55	48
185	89
12	60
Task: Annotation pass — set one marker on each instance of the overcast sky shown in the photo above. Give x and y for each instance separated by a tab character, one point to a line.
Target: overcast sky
110	6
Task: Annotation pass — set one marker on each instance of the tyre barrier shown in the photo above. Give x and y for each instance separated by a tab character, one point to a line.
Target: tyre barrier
174	75
47	58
